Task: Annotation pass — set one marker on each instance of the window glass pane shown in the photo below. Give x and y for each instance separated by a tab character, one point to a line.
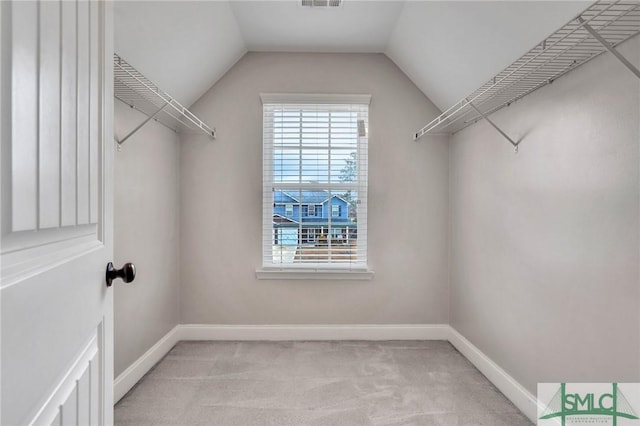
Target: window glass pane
343	165
303	234
315	165
314	162
286	165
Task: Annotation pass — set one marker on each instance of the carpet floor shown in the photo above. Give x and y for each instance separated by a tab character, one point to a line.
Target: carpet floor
344	383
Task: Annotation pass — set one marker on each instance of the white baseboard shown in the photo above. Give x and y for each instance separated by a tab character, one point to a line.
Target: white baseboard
315	332
129	377
513	390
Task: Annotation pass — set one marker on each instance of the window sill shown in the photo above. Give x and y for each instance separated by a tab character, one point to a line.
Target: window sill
314	274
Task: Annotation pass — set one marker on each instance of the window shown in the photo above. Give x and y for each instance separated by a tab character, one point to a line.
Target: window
315	152
288	211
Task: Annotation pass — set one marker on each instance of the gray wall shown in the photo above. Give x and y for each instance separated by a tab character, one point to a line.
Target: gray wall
146	233
545	243
221	189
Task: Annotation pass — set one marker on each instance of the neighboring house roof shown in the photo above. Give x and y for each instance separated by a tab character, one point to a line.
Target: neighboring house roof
304	197
281	197
278	218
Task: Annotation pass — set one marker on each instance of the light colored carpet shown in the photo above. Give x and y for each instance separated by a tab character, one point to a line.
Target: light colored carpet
341	383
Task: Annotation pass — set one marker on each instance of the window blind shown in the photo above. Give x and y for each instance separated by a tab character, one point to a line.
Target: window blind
315	167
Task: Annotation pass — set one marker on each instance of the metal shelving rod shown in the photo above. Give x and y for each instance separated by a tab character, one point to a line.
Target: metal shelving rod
135	90
515	144
599	28
151	117
611	49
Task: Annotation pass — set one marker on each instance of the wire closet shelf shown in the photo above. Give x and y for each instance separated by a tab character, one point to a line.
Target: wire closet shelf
569	47
137	91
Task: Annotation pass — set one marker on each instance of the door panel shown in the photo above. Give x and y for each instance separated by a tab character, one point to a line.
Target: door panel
94	111
83	114
69	131
46	322
55	106
24	86
49	116
78	391
57	151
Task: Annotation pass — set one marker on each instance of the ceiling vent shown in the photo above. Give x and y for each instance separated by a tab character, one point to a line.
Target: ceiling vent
321	3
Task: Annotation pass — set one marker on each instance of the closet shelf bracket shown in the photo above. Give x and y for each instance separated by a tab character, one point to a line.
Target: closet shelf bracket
495	126
609	47
134	89
139	126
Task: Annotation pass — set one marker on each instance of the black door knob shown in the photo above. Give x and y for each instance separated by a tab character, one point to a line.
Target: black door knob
127	273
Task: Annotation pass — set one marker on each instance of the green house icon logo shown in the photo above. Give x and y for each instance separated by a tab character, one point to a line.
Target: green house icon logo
565	404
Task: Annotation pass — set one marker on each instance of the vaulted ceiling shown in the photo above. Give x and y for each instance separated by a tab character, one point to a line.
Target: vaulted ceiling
448	48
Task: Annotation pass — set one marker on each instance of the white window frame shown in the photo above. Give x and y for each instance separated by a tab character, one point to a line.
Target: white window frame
287	207
357	271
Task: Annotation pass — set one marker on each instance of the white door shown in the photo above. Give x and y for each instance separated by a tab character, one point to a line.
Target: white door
56	216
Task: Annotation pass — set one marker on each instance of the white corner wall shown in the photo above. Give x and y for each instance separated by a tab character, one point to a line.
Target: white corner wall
221	189
545	243
146	232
